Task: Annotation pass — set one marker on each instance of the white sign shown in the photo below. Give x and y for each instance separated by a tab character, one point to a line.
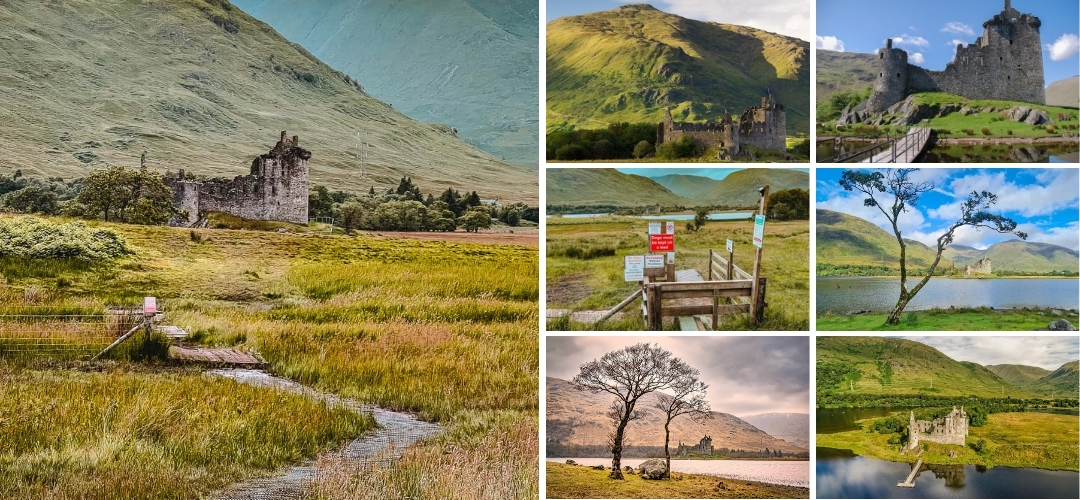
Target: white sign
730	246
149	306
759	230
671	257
670	227
654	261
654	228
635	268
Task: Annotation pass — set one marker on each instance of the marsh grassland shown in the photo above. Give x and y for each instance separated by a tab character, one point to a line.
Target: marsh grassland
444	330
578	481
585	266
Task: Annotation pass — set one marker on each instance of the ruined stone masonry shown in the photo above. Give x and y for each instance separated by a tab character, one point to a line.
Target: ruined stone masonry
952	429
763	127
275	189
982	266
1005	63
704	447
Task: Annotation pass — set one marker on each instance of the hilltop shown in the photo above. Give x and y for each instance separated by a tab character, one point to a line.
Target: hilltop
469	64
791	427
1064	92
579	418
740	188
1063	381
844	239
1019	375
1019	256
687	186
880	365
606	186
205	87
629	63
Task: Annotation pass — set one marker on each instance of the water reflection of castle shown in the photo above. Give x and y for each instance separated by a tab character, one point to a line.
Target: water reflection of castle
952	474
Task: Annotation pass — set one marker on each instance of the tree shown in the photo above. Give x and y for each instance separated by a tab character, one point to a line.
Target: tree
687	398
32	199
320	201
643	149
476	219
700	217
905	193
112	191
628	374
352	215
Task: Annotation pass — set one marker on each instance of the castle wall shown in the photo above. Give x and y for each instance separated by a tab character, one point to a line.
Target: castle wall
891	84
764	126
952	429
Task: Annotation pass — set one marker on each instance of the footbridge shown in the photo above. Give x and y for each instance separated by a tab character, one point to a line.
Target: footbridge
901	149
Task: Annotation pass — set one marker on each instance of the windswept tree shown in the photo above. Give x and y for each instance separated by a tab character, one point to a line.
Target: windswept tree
687	398
628	374
905	193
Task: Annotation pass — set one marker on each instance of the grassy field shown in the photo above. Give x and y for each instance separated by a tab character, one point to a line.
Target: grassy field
579	481
593	280
1028	439
446	330
965	319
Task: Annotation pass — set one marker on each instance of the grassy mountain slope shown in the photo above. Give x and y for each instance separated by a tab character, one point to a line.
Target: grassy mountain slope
843	71
741	187
1018	255
606	186
791	427
579	417
1064	92
202	86
846	239
687	186
629	63
1019	375
1063	381
898	366
470	64
962	254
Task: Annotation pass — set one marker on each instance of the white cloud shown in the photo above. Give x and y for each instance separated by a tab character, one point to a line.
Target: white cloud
917	58
787	17
915	41
1056	190
956	41
830	43
1045	352
1065	47
912	28
958	28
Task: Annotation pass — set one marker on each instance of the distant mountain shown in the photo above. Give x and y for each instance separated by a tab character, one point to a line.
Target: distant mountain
843	71
791	427
847	239
1064	92
629	63
687	186
204	87
1019	256
606	186
740	188
579	418
1063	381
469	64
899	366
1019	375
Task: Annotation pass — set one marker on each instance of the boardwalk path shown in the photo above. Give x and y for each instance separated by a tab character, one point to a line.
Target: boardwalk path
396	432
905	149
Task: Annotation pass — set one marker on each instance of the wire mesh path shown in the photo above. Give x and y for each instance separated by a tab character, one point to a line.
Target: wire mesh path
396	432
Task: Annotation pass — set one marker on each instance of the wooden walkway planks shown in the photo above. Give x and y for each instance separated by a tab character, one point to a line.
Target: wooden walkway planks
910	481
215	356
906	149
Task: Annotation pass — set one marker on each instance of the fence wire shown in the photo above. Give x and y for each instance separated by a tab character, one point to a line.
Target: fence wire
63	335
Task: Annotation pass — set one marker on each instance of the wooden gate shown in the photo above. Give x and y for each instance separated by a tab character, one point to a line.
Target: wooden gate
729	290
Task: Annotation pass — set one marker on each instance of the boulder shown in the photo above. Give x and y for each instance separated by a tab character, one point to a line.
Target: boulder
1017	114
965	111
599	467
1061	325
653	469
1037	117
571	462
948	109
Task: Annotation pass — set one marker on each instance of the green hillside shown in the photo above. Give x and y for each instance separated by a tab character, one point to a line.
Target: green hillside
1065	381
740	188
629	63
470	64
880	365
844	239
1019	375
962	254
687	186
202	86
1019	256
1065	92
606	186
843	71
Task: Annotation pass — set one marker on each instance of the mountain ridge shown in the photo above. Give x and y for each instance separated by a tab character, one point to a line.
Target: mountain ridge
606	186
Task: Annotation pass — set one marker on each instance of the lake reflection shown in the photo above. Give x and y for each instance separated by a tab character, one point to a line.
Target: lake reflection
843	295
841	474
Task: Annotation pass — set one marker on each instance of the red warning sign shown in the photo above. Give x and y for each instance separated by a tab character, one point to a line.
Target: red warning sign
661	242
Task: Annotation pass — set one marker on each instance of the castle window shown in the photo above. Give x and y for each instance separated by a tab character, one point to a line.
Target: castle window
881	74
898	75
1010	42
882	55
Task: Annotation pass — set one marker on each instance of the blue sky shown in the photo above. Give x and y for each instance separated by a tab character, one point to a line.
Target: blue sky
712	173
1045	352
1044	202
930	28
786	17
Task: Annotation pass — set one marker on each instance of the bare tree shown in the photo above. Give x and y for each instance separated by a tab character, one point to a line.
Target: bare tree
905	193
628	374
687	398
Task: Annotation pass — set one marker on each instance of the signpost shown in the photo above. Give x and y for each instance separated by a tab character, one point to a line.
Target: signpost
670	227
661	243
759	235
730	246
634	269
149	306
759	229
654	228
654	261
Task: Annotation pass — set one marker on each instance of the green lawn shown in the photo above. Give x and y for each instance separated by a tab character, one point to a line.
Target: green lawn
981	319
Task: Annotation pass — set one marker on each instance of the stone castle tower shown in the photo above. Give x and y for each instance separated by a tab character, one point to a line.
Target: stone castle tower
1004	63
276	188
952	429
704	447
982	266
763	127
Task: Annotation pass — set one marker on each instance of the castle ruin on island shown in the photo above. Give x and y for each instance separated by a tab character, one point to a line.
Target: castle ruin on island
1005	63
952	429
276	188
981	266
704	447
764	127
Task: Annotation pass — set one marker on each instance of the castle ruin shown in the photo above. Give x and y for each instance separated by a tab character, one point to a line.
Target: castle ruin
275	189
704	447
981	266
952	429
1005	63
763	127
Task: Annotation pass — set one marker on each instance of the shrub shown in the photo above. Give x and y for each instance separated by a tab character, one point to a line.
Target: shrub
986	130
34	238
1010	132
643	149
672	150
911	319
570	152
1051	129
969	131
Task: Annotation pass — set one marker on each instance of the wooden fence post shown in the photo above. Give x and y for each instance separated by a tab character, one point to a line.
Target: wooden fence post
755	306
760	300
731	263
710	264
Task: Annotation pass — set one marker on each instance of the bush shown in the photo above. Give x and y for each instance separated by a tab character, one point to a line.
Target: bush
1010	132
643	149
672	150
34	238
978	445
986	130
969	131
570	152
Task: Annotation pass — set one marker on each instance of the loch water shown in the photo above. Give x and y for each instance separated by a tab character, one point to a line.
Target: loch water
849	295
